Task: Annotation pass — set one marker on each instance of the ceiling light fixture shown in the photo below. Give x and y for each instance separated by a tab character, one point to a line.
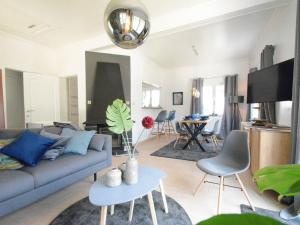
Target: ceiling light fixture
126	23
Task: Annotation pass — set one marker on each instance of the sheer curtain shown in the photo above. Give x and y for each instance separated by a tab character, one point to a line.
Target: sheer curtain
197	96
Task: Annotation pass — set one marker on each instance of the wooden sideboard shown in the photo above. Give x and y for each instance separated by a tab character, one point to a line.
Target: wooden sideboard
268	146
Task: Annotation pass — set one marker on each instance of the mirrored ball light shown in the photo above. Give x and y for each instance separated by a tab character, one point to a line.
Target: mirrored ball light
126	25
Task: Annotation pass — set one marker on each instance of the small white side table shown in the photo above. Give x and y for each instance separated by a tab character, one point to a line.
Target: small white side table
149	180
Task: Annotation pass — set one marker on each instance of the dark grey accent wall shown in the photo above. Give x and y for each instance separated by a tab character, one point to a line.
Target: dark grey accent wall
107	78
15	115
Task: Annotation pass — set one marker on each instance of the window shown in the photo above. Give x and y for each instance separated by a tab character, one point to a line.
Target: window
213	96
151	96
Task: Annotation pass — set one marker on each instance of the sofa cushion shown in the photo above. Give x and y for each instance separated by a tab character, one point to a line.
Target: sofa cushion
57	149
79	142
97	142
14	182
48	171
28	147
68	132
53	129
8	163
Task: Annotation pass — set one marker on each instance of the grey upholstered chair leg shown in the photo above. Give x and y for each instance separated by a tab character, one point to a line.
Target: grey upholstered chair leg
200	184
245	192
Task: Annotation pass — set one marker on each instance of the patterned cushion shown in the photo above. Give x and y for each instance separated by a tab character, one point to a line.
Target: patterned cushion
4	142
8	163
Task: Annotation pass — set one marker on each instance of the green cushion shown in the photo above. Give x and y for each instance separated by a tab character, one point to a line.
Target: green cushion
8	163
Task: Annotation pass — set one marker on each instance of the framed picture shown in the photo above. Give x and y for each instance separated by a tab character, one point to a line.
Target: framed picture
177	98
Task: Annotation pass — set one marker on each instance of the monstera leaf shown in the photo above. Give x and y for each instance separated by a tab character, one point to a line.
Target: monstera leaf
284	179
240	219
118	117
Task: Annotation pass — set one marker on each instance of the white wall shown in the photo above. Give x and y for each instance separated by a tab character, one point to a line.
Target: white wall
180	79
20	54
280	32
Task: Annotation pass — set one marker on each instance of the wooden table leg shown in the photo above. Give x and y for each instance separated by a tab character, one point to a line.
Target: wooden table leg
163	195
131	210
220	194
112	210
152	208
103	212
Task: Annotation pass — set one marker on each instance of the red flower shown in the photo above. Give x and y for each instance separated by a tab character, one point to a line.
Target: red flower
147	122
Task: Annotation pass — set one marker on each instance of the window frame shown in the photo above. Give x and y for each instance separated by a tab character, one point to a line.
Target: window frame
151	88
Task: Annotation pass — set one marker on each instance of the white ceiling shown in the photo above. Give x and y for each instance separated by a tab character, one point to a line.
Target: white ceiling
59	22
231	39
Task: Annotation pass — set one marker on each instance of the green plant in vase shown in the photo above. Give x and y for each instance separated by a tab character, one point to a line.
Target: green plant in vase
285	180
119	121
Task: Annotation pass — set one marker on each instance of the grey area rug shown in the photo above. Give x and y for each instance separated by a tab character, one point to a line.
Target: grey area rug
84	213
269	213
193	154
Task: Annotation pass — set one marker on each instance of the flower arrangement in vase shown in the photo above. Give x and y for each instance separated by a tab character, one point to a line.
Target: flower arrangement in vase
119	121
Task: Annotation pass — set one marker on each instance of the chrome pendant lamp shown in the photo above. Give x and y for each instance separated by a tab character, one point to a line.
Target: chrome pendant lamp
126	23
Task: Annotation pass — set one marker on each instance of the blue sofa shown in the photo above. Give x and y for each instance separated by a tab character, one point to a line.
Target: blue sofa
19	188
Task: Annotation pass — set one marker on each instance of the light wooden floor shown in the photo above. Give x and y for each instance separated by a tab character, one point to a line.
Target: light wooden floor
182	179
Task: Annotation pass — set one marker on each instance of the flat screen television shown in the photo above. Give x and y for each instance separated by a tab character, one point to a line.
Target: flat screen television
271	84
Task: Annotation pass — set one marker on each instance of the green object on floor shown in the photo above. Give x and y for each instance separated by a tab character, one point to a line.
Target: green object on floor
240	219
284	179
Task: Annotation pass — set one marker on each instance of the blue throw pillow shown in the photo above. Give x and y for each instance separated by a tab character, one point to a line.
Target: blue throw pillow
28	148
79	142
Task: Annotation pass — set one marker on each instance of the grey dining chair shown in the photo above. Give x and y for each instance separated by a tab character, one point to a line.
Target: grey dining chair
159	122
233	159
169	122
182	135
212	134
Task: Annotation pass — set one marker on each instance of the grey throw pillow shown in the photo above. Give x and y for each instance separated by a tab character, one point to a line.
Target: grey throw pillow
53	154
61	140
66	125
97	143
57	149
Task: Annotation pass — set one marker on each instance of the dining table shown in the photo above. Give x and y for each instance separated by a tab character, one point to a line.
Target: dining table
194	128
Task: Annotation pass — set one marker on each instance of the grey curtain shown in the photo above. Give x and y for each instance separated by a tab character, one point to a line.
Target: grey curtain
197	103
268	109
296	99
248	115
231	117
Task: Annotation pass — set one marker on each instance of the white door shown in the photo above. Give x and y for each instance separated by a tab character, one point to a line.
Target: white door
41	98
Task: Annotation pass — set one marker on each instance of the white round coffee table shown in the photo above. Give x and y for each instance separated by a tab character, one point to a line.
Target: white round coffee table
149	180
